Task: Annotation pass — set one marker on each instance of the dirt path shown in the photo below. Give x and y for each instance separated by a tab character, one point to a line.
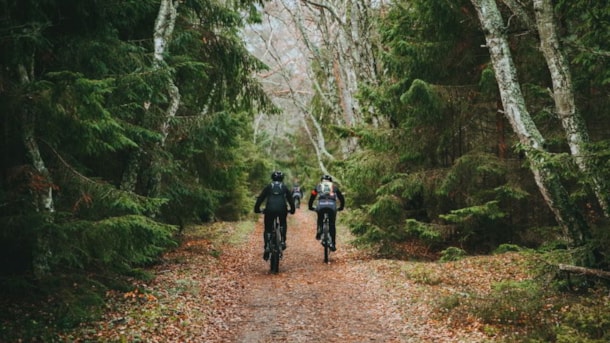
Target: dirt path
206	293
310	301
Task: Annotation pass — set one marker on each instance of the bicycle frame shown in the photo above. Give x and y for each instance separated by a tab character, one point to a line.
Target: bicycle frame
327	240
275	245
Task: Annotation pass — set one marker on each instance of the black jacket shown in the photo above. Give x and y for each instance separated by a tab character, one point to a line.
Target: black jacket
275	205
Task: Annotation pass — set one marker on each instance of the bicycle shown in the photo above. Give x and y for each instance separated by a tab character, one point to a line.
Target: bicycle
326	239
274	241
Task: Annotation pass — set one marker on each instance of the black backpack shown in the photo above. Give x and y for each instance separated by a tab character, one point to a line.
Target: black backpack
276	201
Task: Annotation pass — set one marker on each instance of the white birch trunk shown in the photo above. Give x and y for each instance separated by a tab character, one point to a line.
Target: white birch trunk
163	30
43	199
563	95
515	110
164	27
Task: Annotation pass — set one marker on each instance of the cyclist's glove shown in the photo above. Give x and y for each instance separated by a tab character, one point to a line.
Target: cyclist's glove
291	211
257	210
311	208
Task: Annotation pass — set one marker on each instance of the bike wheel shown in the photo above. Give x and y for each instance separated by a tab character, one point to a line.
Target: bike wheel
327	241
276	249
275	261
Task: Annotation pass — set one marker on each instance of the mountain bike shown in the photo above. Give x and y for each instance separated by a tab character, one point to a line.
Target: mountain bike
275	246
326	239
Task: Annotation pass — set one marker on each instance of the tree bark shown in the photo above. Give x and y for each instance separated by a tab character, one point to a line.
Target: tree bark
163	30
563	94
584	271
43	192
164	27
529	136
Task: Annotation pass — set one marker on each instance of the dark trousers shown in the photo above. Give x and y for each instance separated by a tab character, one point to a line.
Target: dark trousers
332	217
270	217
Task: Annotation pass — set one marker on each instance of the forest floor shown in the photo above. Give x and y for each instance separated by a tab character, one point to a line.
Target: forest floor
206	291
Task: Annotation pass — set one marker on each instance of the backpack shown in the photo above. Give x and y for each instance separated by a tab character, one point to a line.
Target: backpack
326	190
276	201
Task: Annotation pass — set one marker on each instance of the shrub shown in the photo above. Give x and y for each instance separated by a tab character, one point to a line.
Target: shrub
452	254
512	303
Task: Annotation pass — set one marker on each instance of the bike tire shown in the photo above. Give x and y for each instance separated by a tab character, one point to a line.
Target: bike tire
274	261
276	248
326	238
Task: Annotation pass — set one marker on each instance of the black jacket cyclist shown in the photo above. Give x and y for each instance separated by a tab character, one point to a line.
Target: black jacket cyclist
279	198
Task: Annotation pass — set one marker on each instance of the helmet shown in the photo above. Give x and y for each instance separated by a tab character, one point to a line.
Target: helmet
277	176
326	177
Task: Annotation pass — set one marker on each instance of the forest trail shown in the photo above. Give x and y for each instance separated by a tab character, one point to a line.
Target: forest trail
310	301
203	292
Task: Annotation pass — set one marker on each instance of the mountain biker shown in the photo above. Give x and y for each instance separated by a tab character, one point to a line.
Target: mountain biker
277	195
297	194
327	193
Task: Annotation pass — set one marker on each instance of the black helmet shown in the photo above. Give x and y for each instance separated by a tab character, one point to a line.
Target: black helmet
326	177
277	176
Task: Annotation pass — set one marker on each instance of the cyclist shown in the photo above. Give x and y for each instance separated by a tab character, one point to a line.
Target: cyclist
297	194
327	193
277	195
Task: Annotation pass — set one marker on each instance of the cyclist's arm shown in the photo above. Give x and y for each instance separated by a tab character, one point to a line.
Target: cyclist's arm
259	200
341	198
290	199
312	197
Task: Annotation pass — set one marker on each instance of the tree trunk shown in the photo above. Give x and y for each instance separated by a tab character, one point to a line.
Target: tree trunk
529	136
43	190
563	94
584	271
164	27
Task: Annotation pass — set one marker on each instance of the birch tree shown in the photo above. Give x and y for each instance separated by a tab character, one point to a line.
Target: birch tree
576	132
163	30
337	39
43	189
563	95
524	127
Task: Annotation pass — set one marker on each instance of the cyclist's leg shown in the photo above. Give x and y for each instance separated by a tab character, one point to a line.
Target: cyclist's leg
284	225
320	212
323	210
266	232
332	217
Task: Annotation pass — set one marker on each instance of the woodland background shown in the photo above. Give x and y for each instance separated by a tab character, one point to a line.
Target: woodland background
459	126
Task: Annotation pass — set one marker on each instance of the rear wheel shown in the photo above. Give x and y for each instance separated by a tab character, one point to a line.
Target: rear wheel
275	261
326	241
276	249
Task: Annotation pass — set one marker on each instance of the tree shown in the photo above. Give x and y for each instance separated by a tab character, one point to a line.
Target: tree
95	91
529	136
338	40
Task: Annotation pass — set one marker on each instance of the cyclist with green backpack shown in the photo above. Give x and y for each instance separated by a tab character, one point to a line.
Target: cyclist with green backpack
277	195
327	193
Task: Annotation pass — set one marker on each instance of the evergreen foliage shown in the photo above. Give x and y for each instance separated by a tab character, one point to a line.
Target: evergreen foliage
447	170
81	78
